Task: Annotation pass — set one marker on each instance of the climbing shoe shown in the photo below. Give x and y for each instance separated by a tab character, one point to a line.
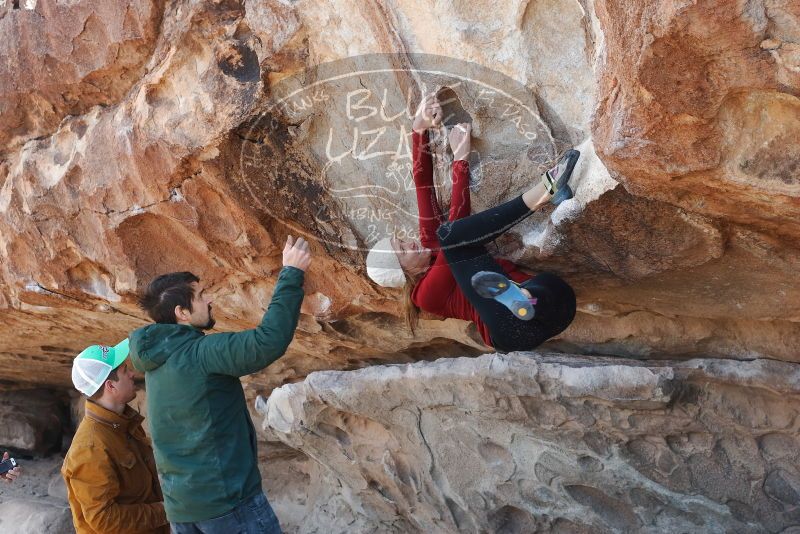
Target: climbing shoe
555	180
495	286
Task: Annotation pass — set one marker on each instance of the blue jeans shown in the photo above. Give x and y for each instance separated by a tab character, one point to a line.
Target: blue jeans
253	516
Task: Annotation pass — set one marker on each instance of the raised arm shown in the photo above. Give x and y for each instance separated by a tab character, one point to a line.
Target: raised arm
243	353
430	214
435	290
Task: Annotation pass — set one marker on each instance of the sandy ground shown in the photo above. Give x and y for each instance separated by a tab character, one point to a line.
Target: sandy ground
37	476
36	503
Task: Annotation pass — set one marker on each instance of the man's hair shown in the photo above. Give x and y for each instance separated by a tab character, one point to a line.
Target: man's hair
166	292
111	376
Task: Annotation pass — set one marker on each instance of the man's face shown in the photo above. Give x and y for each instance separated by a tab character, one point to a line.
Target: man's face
201	317
124	388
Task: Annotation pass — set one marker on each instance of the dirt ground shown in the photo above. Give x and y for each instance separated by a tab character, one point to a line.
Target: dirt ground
37	501
38	475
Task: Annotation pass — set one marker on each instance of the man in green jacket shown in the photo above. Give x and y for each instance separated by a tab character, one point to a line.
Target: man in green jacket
203	437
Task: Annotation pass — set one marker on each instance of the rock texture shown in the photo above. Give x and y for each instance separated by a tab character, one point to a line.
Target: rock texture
33	421
20	516
150	137
543	442
144	137
700	106
64	58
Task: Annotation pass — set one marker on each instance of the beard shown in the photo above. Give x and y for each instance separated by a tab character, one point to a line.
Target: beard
211	321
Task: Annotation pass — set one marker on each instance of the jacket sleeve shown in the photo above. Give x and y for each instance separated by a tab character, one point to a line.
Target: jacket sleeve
430	215
460	206
243	353
95	485
434	291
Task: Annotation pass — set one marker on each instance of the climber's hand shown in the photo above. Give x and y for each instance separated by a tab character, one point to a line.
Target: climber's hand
459	139
429	114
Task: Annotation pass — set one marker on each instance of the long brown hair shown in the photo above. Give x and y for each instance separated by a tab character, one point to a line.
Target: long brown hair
410	310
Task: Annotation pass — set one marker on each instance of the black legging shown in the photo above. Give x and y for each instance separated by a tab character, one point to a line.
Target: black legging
463	243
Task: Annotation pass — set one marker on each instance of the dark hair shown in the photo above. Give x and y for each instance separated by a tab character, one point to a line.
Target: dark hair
111	376
166	292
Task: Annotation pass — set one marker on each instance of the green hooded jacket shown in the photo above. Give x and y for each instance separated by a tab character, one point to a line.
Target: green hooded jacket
203	438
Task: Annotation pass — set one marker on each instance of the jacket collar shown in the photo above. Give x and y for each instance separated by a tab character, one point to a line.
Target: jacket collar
129	419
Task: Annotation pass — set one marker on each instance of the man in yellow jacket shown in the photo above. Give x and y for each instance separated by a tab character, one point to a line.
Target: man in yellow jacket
109	469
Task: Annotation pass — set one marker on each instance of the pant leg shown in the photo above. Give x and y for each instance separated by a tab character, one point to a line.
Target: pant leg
253	516
484	227
225	524
184	528
259	518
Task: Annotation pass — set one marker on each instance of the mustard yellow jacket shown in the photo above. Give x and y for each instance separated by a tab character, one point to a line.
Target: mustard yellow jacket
111	475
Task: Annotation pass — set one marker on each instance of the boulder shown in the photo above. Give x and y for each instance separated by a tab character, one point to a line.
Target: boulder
545	442
33	420
25	516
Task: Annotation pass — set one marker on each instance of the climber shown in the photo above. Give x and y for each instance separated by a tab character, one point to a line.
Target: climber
451	274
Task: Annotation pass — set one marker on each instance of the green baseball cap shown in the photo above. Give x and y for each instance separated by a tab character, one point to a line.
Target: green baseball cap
93	365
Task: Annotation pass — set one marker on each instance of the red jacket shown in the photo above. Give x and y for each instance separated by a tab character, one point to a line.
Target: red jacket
437	291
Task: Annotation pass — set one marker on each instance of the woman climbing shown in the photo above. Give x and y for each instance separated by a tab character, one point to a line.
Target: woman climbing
450	273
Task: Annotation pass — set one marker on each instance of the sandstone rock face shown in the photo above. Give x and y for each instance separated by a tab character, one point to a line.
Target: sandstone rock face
37	501
700	106
145	137
33	421
66	57
541	442
197	136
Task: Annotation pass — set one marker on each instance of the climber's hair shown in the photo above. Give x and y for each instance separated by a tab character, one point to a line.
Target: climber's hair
410	310
166	292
